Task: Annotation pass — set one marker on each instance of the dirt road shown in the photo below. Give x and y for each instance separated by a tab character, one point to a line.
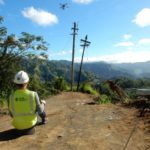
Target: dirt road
74	125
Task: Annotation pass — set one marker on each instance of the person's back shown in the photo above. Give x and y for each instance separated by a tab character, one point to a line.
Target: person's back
23	109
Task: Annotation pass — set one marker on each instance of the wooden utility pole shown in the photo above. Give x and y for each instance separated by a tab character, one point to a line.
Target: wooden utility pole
75	29
85	44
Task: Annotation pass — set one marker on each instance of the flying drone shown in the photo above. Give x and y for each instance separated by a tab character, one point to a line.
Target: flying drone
63	5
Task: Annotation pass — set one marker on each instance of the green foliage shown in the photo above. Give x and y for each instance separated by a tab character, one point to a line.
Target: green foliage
60	84
127	100
48	87
3	103
3	107
104	89
104	99
40	87
125	82
87	88
131	93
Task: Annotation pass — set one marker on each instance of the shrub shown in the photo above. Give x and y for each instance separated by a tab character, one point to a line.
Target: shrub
104	99
60	84
3	103
87	88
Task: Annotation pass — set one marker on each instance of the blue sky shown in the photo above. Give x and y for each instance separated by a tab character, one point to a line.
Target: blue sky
119	30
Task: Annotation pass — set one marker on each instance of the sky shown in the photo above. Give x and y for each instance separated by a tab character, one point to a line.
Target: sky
119	30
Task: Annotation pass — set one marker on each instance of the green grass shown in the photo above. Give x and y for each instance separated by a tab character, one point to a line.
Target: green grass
104	99
87	88
3	107
3	103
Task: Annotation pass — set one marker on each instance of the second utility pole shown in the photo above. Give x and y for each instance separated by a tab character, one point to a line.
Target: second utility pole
75	29
86	43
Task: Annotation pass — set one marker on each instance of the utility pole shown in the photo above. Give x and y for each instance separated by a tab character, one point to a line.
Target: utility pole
75	29
85	44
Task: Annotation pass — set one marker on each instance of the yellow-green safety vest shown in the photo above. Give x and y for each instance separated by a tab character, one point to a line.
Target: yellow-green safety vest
22	105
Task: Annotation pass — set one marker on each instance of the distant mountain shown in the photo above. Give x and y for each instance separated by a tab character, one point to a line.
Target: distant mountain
139	69
105	70
48	70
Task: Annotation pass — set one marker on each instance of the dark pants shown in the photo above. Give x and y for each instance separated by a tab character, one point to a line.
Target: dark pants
43	117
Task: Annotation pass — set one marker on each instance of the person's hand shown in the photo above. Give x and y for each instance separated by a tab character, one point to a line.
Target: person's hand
43	101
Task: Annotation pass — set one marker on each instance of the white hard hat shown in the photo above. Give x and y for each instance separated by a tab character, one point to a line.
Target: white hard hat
21	77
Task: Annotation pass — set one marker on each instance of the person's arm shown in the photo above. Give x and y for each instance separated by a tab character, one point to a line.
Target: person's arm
39	106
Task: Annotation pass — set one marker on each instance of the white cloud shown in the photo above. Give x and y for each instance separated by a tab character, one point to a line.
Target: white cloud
39	16
83	1
144	41
127	36
61	53
65	52
142	19
127	56
2	2
124	44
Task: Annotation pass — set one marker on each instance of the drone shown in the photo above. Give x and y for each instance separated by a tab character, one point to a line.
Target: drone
63	6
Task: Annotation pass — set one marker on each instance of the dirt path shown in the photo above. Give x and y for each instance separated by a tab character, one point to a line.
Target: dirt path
73	125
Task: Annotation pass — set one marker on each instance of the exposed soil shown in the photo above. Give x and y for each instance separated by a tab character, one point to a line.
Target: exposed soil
73	124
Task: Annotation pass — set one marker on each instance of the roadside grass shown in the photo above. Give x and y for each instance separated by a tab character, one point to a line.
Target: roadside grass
3	107
87	88
104	99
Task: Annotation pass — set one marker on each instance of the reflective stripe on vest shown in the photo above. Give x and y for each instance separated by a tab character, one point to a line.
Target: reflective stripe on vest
31	101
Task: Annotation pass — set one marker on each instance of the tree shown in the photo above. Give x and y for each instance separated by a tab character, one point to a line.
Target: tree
12	50
60	84
125	82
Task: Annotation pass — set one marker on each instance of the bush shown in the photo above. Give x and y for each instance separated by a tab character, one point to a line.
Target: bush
131	93
104	89
60	84
3	103
87	88
104	99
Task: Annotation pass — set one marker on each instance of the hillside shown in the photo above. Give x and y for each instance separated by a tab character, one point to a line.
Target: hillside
139	69
73	124
101	70
105	71
48	70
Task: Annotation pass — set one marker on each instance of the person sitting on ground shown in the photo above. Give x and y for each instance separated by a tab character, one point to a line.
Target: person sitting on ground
24	105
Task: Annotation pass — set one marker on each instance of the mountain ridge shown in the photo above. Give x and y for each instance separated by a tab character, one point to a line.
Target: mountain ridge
102	70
